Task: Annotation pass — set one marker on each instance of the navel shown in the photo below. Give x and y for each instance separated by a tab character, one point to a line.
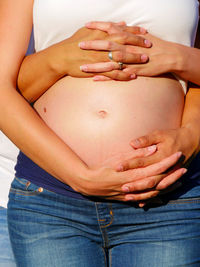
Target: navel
102	113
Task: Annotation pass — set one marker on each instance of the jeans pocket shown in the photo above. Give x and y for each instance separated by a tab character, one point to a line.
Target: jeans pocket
23	187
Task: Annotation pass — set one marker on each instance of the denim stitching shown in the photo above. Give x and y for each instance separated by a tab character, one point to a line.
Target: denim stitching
100	228
105	259
21	182
185	201
110	258
22	193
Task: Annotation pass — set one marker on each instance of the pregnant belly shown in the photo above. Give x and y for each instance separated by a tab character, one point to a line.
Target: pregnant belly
99	119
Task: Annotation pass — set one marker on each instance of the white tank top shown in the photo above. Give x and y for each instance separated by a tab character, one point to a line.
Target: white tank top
172	20
8	158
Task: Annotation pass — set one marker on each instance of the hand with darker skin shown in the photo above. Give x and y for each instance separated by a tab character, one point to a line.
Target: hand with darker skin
66	58
160	57
185	139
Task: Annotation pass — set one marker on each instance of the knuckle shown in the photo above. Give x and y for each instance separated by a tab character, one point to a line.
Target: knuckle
124	36
109	45
114	74
119	56
140	163
135	29
144	140
151	183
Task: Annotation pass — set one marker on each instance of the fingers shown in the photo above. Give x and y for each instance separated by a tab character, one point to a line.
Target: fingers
157	168
129	58
100	67
113	42
119	75
171	179
118	56
112	28
101	78
104	45
142	196
147	140
139	160
154	182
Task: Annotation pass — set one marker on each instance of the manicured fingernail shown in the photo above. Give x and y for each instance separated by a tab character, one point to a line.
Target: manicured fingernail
126	189
120	168
88	24
143	30
83	68
144	58
179	154
129	198
184	171
135	143
96	78
152	148
133	76
81	44
147	43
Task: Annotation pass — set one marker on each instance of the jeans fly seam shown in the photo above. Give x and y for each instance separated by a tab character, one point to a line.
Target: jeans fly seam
103	232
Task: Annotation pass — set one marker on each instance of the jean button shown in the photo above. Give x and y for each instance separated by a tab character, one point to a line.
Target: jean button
40	189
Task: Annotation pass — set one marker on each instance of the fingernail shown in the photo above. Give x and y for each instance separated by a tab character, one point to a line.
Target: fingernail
83	68
143	30
184	171
179	154
144	58
152	148
120	168
81	44
133	76
88	24
126	189
147	43
135	143
96	78
129	198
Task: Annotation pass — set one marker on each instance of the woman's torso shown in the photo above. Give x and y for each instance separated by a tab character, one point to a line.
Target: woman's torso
98	120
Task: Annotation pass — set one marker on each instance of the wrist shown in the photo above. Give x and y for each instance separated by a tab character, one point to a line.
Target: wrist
193	134
181	59
55	61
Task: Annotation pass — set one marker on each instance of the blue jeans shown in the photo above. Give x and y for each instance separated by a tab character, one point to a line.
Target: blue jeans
48	229
6	255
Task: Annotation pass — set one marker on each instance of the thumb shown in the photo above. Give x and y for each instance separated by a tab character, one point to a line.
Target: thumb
146	140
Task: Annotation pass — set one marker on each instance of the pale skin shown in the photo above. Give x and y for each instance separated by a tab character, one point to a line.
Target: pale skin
169	138
38	141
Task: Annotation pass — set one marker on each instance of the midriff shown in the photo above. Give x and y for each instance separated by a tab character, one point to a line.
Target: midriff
97	120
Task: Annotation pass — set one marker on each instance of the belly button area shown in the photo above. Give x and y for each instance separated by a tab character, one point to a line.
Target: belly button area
102	113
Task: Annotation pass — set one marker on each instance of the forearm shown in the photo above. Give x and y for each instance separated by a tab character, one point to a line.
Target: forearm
191	115
188	61
188	64
24	127
37	73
